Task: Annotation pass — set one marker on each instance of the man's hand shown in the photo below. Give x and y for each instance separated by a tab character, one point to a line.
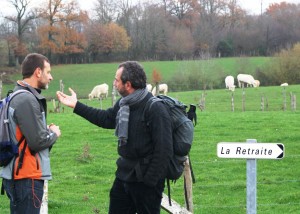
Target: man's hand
55	129
66	99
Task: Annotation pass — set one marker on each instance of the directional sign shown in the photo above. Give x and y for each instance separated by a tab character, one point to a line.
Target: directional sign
250	150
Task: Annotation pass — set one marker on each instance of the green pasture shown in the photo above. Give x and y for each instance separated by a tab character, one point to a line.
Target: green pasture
83	77
83	159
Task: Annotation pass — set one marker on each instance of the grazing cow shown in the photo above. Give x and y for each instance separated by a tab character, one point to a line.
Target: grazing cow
257	83
246	79
229	83
149	87
162	88
284	84
99	91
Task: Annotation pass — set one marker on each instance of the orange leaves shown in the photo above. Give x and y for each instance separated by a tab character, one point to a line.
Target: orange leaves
156	76
108	38
277	9
62	32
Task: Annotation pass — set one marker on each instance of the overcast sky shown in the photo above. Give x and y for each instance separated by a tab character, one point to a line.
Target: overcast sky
252	6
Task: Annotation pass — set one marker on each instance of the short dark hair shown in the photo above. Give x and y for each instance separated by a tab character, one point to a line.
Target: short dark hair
31	62
134	73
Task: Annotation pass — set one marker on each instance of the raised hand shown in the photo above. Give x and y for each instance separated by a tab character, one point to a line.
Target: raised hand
68	100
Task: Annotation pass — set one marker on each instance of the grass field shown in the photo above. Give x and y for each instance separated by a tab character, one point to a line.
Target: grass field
84	77
83	159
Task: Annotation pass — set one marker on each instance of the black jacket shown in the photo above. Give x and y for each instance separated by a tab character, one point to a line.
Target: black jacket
149	147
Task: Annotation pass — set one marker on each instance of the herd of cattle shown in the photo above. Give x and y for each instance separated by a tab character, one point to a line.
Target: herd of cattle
101	91
244	80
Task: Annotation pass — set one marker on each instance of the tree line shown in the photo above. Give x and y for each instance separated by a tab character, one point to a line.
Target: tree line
144	30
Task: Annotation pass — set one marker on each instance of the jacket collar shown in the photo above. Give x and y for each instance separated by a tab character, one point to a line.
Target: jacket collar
35	91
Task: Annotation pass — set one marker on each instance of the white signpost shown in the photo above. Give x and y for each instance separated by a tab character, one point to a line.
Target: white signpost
251	150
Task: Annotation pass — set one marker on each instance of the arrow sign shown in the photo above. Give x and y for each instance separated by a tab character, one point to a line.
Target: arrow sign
250	150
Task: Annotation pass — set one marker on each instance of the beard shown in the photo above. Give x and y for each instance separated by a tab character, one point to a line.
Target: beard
122	91
42	85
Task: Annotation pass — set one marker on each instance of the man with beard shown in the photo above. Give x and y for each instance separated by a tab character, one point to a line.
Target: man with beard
144	147
24	176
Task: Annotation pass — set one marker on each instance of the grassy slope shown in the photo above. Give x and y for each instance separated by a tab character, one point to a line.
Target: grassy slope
84	77
82	180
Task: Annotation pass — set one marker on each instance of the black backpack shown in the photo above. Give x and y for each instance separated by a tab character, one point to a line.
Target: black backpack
183	132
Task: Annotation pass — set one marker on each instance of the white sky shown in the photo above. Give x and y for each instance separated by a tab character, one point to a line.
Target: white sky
252	6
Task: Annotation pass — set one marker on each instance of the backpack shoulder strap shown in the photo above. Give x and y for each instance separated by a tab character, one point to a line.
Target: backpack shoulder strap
9	98
21	155
151	101
149	104
13	94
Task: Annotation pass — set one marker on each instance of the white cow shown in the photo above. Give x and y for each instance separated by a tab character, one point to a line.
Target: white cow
99	91
149	87
162	88
284	84
246	79
229	83
257	83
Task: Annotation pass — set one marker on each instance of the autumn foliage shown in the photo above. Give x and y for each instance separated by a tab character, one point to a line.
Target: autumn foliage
114	30
156	76
108	38
61	32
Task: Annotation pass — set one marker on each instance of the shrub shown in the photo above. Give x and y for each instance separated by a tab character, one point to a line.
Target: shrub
194	75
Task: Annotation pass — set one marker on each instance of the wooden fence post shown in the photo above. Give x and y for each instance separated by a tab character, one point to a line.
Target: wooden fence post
0	89
157	88
293	102
61	88
243	97
262	103
1	82
201	104
232	101
188	186
284	99
175	208
113	94
44	206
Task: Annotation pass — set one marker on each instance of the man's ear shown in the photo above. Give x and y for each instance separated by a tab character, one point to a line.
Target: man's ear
128	85
38	72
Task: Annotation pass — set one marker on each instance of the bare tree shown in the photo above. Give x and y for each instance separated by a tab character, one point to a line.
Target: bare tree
6	36
106	11
22	20
124	13
148	32
180	8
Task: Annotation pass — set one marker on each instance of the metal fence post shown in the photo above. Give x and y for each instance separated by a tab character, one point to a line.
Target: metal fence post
251	183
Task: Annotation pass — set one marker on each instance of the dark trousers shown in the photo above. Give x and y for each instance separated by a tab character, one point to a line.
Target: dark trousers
25	195
135	197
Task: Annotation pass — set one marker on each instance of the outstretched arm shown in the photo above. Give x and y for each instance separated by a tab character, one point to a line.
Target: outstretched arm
66	99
